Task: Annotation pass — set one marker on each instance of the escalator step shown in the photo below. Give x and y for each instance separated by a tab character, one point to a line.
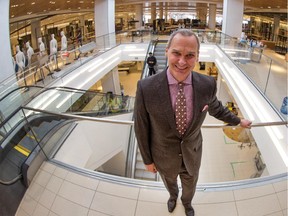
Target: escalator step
22	150
29	142
15	157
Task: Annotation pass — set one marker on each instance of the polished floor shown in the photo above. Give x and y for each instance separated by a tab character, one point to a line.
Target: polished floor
56	191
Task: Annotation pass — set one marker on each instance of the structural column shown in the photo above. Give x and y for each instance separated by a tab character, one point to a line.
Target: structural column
139	15
35	33
212	16
160	10
276	27
153	11
153	16
233	17
201	10
6	62
104	16
166	13
110	82
82	25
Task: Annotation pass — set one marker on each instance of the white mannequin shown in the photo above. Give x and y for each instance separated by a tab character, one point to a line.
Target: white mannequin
64	55
30	52
20	60
41	46
243	37
63	41
53	48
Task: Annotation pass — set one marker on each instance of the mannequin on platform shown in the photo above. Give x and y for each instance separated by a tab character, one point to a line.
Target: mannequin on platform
30	52
42	49
20	60
63	41
53	49
243	38
64	53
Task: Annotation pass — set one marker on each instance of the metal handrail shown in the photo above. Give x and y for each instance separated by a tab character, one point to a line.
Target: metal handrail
159	185
105	120
260	124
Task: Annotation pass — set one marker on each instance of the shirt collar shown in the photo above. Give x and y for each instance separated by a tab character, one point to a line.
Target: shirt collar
172	80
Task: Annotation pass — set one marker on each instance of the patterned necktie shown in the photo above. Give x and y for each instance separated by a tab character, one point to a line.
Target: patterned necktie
180	110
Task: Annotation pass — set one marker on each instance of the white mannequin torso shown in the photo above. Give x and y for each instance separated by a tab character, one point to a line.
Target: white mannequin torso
20	59
63	42
53	46
30	52
41	47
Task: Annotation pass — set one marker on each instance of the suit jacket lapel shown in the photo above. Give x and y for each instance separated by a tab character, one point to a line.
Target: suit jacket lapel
196	100
162	88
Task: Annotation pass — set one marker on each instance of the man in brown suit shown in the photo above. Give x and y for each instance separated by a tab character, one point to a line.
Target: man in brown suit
162	147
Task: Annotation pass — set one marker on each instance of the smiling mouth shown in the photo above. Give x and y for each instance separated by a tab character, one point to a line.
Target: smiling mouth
180	68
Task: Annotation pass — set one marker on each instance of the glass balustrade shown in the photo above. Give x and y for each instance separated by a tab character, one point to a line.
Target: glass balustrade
108	145
248	59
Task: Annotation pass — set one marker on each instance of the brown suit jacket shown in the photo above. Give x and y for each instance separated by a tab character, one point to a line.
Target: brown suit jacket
158	140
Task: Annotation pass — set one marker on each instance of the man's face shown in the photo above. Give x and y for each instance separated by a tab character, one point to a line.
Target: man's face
182	56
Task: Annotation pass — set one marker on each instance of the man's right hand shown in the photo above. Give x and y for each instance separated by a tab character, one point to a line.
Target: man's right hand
151	168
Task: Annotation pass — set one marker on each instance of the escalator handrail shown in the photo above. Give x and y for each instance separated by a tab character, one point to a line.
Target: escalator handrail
18	88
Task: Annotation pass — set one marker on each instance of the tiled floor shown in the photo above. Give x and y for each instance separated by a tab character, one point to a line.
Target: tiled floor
56	191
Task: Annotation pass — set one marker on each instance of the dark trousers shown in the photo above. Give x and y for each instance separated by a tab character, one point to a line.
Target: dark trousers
151	71
188	184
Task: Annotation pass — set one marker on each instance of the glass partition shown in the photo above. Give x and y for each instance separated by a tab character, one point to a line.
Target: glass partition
104	145
37	132
16	98
249	60
268	75
90	103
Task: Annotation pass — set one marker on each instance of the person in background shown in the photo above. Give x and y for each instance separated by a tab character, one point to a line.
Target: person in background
79	37
151	61
169	143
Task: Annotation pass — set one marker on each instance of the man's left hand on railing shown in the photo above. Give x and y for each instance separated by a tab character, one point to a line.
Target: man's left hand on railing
245	123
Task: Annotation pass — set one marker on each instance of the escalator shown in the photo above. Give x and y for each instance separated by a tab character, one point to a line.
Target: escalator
19	146
159	53
26	134
140	171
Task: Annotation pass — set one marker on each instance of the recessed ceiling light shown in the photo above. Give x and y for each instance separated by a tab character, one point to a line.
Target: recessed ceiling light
32	3
269	7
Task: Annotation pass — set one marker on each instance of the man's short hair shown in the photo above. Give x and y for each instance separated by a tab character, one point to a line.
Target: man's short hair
183	32
150	53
